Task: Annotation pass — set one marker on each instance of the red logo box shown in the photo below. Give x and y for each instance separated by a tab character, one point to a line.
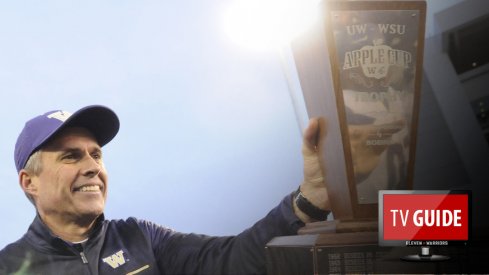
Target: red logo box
425	217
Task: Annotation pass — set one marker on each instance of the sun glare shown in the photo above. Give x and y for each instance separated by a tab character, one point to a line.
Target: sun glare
265	24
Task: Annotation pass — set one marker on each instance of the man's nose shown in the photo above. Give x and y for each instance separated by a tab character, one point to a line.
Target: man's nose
91	167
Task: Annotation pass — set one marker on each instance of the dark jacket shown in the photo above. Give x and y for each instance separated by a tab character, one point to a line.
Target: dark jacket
142	247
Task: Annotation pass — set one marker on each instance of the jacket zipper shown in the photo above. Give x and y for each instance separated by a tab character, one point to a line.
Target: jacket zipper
79	249
84	259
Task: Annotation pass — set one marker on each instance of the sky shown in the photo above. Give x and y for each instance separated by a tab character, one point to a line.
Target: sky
209	139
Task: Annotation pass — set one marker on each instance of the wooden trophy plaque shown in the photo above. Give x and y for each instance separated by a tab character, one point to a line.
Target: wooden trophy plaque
360	69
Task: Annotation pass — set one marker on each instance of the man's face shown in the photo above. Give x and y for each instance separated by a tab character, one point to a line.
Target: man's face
72	184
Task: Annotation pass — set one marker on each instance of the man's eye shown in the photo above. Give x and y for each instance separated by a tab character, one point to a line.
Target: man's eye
69	156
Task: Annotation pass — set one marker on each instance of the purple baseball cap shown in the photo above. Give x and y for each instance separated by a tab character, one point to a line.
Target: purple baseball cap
101	121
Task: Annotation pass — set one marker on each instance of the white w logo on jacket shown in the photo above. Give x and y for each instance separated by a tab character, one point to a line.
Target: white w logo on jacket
115	260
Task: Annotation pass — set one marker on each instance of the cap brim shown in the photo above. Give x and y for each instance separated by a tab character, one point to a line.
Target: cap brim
101	121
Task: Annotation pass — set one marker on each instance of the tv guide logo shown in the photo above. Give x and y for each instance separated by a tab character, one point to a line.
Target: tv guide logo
426	217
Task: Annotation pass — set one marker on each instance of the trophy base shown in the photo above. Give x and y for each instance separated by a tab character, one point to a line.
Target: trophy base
339	226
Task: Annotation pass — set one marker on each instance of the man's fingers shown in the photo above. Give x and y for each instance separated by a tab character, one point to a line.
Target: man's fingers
312	135
312	139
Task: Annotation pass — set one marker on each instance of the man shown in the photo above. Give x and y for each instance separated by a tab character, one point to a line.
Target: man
59	161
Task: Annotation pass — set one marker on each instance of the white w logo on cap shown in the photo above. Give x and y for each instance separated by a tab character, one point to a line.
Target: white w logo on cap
60	115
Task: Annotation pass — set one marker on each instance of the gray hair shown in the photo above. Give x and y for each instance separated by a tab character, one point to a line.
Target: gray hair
34	166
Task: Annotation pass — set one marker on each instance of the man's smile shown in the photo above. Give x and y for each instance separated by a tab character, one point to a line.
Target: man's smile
88	188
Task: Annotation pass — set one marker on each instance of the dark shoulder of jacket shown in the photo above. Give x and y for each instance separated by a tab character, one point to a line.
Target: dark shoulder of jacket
152	232
14	256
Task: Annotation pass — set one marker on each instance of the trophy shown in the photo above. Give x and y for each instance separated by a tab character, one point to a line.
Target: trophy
360	69
370	54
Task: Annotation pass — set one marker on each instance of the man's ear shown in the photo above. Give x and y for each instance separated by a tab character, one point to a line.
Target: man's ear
27	183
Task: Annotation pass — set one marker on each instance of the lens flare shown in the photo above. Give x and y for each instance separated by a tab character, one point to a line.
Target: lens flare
264	24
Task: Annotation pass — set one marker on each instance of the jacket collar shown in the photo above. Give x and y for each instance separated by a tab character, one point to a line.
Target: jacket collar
41	237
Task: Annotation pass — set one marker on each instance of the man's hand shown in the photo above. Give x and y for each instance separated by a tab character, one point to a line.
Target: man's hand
313	188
